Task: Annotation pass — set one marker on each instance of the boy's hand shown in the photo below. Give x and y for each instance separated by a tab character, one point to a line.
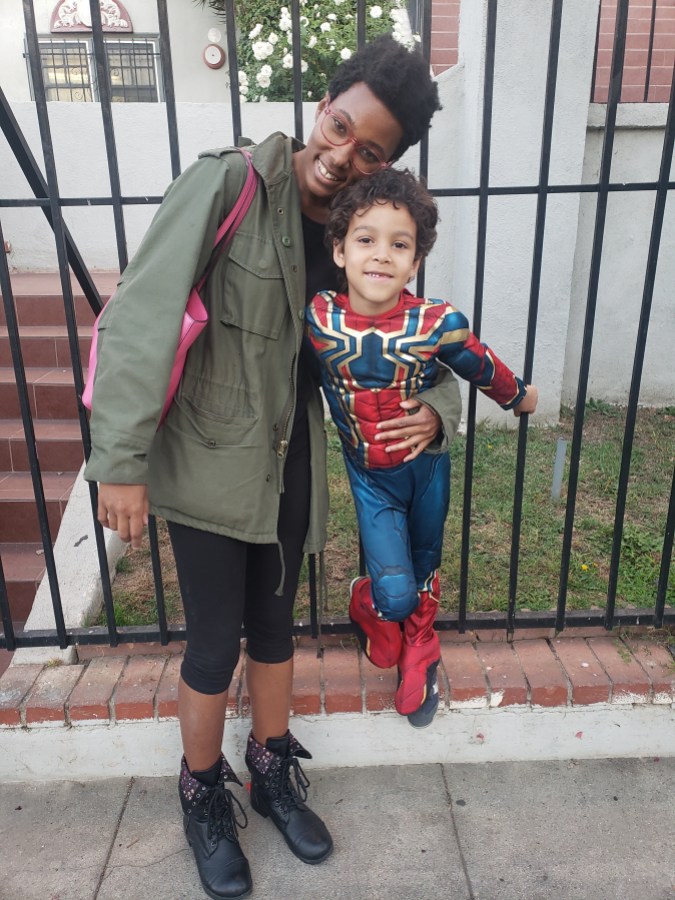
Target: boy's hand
124	508
529	402
415	431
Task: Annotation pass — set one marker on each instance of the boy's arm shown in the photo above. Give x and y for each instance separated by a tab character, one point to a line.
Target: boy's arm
477	363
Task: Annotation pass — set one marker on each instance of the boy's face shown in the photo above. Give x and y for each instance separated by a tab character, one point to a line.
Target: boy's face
378	256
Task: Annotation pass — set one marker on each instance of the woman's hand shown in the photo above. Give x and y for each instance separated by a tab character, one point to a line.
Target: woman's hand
414	431
529	402
124	508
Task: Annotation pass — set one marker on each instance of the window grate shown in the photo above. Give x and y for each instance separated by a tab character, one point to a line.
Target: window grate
69	74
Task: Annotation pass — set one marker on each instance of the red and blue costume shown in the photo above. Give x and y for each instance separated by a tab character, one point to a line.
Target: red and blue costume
369	364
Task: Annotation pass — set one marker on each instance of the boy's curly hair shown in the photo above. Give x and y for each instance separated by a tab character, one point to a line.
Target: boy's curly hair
399	78
397	186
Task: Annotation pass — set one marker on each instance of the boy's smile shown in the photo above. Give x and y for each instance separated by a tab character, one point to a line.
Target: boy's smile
378	256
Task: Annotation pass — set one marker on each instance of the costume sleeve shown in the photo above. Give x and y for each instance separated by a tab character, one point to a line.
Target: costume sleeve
461	350
445	400
138	331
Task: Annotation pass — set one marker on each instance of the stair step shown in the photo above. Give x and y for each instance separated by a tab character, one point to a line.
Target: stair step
51	393
18	513
59	445
38	297
23	566
38	301
44	345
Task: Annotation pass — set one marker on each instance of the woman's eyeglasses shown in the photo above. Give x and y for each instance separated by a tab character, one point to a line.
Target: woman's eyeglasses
338	132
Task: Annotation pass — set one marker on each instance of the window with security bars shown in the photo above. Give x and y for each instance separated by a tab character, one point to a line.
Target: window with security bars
69	70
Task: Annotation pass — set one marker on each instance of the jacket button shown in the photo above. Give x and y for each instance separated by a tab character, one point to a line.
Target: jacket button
280	210
211	443
301	313
286	241
269	477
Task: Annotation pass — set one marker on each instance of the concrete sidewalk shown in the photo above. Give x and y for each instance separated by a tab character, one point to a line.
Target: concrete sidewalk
570	830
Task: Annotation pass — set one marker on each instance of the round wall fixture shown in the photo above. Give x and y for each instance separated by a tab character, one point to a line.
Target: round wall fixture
214	56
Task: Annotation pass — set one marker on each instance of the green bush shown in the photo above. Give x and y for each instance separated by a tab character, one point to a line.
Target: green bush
328	36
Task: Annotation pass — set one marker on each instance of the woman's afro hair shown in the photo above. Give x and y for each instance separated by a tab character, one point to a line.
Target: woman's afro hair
399	78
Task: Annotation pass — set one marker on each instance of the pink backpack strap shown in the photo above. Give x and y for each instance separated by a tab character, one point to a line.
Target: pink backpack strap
233	219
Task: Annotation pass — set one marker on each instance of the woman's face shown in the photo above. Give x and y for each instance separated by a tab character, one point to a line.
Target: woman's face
322	169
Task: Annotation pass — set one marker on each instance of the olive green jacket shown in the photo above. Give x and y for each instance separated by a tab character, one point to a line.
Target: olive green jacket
217	462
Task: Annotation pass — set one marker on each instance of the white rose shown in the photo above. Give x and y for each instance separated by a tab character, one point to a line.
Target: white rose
287	61
273	38
345	53
255	32
243	77
263	80
303	66
243	89
266	71
262	49
304	21
375	12
325	26
331	16
313	41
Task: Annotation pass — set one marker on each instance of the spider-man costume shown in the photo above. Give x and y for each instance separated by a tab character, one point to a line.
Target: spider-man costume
368	365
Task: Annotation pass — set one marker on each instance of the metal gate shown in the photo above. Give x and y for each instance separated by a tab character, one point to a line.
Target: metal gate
45	190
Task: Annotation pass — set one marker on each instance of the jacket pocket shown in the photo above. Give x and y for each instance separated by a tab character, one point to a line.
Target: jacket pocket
254	296
217	401
212	425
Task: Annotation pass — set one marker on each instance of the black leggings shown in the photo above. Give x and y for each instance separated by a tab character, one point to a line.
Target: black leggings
225	582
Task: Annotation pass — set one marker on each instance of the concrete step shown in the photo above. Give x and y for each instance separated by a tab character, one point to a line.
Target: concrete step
51	393
44	345
59	445
18	514
23	566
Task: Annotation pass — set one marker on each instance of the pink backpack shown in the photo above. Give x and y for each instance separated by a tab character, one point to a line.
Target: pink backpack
195	316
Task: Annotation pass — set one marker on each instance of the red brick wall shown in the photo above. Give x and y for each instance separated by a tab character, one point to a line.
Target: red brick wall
445	33
637	50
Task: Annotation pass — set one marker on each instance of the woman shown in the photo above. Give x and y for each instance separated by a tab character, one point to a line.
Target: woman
238	468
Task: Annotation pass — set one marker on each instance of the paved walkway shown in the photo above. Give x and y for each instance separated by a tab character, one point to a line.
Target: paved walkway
586	830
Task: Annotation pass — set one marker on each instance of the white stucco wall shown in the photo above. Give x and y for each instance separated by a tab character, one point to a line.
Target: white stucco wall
518	104
637	153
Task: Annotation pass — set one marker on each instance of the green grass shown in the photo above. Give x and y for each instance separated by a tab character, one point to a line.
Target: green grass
491	514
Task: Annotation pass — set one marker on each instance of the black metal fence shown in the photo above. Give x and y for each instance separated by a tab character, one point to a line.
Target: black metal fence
47	197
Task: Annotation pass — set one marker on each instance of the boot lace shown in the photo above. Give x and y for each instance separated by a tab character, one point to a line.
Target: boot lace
291	783
222	818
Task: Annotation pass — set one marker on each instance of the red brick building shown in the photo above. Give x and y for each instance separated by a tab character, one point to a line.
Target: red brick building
650	47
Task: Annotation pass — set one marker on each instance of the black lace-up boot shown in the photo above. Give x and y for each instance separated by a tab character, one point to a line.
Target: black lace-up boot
279	790
210	822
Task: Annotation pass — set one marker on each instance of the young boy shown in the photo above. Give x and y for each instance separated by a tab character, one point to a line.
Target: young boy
377	345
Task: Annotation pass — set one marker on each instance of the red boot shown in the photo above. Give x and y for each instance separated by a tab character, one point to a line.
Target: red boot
380	640
417	693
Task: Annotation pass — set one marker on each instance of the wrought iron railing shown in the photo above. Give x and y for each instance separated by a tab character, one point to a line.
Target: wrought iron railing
47	197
